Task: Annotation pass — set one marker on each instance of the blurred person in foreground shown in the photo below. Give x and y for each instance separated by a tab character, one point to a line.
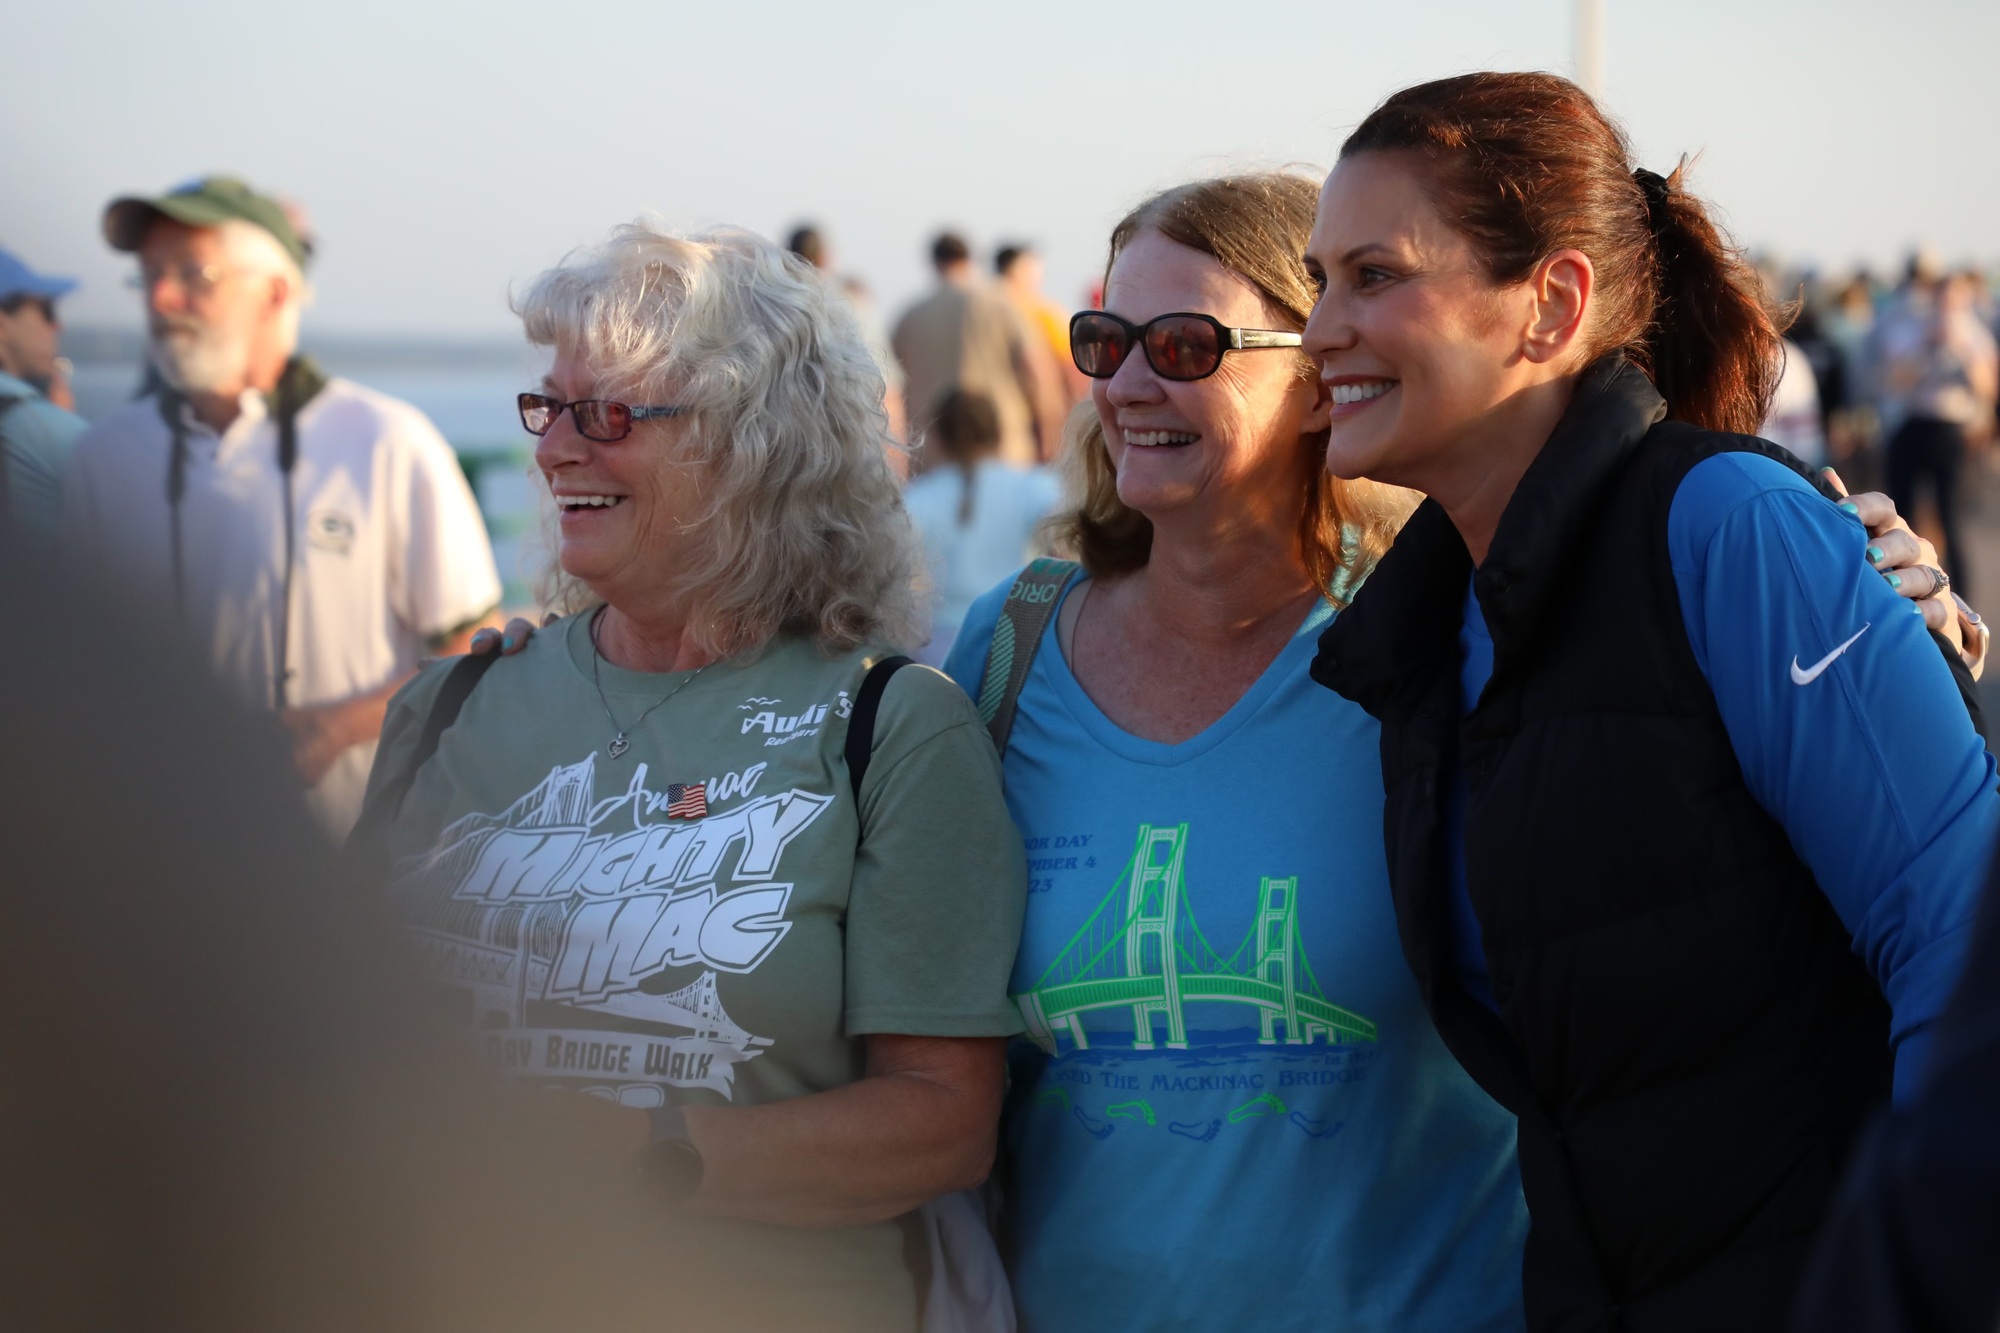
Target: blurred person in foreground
977	515
809	243
1911	1242
644	855
227	1107
36	433
966	335
314	537
1940	377
1020	271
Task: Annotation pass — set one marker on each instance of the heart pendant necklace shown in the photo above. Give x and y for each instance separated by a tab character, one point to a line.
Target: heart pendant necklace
619	742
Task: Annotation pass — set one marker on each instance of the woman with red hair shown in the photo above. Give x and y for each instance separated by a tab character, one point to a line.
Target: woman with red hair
1685	816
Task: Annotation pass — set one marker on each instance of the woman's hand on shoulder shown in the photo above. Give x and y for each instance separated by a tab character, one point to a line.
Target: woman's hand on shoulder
509	641
1910	564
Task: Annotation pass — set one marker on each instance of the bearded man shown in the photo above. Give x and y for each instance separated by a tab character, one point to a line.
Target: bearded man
315	538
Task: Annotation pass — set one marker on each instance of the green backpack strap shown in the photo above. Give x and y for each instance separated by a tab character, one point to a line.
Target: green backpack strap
1016	636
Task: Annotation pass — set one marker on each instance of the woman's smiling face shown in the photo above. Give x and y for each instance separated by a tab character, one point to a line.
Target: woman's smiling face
1236	437
1414	342
620	505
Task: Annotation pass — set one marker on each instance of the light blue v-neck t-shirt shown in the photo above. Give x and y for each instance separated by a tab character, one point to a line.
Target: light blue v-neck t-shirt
1231	1110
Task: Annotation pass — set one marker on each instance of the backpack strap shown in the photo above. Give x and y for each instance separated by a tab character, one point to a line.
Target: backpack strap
387	801
861	722
1016	636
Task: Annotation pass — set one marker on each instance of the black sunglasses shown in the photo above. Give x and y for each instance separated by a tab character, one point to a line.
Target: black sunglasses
597	419
1181	346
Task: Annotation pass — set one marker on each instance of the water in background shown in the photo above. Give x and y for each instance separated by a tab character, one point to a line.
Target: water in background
467	390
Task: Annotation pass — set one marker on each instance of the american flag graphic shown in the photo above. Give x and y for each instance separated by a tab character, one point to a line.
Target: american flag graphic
687	800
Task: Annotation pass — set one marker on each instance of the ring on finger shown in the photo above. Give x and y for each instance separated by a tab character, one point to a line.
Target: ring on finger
1941	581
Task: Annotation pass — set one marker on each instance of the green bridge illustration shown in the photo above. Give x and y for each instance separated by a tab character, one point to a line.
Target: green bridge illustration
1143	950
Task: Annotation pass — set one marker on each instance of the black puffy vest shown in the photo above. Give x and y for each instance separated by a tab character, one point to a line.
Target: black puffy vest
1684	1033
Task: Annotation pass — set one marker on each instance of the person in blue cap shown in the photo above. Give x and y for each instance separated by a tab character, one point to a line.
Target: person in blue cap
35	434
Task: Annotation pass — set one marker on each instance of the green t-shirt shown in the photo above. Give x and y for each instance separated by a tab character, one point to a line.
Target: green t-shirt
707	917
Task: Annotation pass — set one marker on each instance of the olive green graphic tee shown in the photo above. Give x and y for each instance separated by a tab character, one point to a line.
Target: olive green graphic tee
701	918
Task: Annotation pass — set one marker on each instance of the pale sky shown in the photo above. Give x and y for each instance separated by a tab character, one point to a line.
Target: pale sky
448	150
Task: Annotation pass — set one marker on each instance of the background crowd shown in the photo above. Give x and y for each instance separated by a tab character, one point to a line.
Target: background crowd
1889	378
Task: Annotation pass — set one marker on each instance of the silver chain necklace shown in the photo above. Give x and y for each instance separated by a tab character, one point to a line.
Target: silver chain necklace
619	744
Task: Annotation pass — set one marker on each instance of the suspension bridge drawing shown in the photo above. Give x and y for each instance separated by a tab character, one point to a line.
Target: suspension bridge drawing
1143	951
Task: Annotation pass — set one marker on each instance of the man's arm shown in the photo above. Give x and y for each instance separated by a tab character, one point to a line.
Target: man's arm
321	733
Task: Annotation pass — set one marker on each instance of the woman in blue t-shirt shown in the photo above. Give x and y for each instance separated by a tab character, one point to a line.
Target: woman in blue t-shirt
1233	1112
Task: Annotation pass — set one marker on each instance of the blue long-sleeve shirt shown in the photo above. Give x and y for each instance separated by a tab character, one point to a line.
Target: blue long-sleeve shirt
35	439
1847	725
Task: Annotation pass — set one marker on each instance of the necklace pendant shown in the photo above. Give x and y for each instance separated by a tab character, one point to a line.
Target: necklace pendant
619	745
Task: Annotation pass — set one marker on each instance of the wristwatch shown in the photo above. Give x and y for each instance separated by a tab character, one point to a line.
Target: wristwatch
672	1166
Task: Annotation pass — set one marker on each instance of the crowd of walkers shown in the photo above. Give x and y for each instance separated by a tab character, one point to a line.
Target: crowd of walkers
1435	823
1894	381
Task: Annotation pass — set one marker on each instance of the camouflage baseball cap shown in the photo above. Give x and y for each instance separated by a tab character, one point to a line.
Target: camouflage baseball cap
203	203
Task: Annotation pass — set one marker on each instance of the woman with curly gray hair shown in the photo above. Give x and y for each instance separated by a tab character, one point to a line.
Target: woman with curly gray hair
656	855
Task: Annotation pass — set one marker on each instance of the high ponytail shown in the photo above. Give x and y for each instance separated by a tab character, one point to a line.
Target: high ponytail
1713	347
1525	165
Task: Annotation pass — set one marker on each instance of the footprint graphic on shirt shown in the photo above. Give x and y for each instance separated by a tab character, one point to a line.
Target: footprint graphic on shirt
1264	1105
1197	1130
1092	1126
1316	1128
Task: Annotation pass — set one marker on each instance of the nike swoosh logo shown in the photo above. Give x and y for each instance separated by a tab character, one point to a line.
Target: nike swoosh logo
1807	675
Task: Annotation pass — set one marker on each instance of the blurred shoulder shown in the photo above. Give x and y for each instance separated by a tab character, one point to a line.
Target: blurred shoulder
1033	486
927	494
134	429
358	413
40	421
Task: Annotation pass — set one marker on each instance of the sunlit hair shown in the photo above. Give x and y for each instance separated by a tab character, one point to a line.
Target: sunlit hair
253	250
1254	225
799	525
1525	165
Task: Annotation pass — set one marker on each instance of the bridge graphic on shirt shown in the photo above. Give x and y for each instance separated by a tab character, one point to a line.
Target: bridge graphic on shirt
1143	950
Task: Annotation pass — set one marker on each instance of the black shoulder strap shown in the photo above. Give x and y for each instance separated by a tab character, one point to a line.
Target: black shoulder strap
169	404
300	383
387	801
457	688
861	723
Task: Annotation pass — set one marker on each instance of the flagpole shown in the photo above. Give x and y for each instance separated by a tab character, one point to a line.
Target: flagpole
1589	46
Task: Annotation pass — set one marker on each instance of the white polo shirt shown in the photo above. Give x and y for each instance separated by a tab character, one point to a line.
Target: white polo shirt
390	549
